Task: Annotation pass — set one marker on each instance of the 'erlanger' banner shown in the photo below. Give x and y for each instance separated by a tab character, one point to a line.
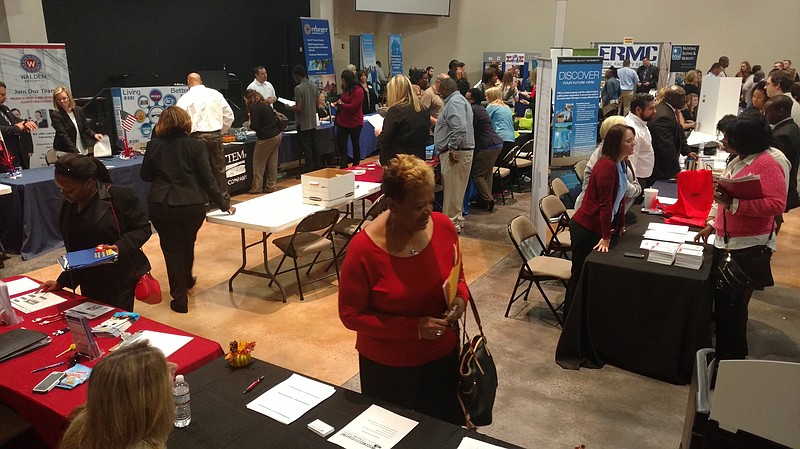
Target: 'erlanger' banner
319	56
368	54
577	95
31	73
614	54
396	54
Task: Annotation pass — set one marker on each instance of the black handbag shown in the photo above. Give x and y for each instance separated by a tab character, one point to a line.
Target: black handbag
282	120
744	267
477	375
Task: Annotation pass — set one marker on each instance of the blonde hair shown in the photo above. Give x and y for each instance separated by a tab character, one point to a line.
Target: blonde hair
494	95
173	118
691	77
660	95
399	91
129	403
403	173
609	123
57	91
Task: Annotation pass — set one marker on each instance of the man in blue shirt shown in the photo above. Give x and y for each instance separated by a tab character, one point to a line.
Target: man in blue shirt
628	78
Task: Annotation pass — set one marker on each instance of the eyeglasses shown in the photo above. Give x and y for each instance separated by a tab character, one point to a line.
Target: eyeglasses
63	100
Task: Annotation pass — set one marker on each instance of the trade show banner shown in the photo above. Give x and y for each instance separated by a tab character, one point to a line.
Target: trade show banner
577	96
684	58
137	109
31	73
396	54
541	137
368	55
614	54
319	55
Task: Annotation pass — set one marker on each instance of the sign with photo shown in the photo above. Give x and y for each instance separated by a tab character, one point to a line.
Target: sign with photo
577	96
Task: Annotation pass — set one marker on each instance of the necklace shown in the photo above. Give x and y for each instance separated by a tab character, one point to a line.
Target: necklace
413	251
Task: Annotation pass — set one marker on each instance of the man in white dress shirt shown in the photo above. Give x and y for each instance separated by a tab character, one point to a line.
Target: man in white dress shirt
211	117
262	86
628	78
643	107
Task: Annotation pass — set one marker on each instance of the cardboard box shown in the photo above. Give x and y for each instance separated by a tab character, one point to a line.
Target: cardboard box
328	187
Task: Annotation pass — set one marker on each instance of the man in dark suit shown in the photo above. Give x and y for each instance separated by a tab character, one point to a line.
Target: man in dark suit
12	128
648	77
787	139
669	139
41	122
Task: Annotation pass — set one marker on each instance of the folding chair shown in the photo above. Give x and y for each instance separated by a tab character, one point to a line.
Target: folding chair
502	174
50	157
580	169
349	227
536	267
560	189
554	213
311	236
523	162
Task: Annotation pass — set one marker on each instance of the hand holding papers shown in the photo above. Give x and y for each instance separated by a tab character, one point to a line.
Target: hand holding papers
291	398
375	427
289	103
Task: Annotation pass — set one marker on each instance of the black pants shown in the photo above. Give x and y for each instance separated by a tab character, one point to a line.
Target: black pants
342	134
216	158
583	242
307	144
429	389
177	228
730	317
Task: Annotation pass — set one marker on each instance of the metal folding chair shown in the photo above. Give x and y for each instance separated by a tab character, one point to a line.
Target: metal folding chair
555	213
349	227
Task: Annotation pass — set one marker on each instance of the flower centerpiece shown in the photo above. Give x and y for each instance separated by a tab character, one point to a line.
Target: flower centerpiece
239	354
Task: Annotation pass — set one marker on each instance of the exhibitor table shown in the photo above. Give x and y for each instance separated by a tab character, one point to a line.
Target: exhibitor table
640	316
221	419
275	212
29	215
48	413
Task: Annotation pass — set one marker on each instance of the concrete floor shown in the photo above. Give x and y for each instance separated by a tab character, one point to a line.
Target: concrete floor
538	404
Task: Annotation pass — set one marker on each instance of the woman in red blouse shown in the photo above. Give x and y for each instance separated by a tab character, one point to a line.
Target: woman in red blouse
349	118
390	293
602	210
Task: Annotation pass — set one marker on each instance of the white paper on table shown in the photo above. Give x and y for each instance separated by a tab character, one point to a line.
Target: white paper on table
33	302
663	227
647	244
90	310
20	285
291	398
664	236
167	343
667	201
471	443
376	120
289	103
374	427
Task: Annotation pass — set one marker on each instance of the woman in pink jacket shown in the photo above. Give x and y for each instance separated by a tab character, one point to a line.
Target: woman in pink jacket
746	227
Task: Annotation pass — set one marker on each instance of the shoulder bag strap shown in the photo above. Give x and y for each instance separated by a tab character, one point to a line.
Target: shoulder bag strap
475	312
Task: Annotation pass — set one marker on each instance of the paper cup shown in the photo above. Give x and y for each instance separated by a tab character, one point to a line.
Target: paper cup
649	197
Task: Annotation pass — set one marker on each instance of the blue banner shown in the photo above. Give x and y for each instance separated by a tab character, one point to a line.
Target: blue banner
368	55
396	54
317	46
576	103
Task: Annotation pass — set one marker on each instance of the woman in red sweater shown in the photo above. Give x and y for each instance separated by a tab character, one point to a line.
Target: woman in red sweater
600	212
349	118
390	293
750	225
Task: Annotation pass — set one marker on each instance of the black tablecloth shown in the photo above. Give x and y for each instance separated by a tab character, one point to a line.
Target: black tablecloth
637	315
221	419
29	215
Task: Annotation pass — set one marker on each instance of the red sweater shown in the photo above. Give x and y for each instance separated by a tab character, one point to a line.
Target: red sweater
349	113
382	297
598	202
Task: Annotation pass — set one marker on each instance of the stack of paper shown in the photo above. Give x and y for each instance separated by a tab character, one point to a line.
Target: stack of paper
689	256
663	253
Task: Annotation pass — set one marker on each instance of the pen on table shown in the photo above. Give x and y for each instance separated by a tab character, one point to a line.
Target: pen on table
48	367
253	385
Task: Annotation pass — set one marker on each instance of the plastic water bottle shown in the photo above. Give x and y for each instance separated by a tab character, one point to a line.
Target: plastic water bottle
180	394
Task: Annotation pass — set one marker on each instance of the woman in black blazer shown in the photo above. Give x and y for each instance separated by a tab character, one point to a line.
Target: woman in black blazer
96	213
406	124
69	122
177	167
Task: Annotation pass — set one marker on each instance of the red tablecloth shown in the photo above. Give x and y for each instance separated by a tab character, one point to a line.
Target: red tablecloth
48	412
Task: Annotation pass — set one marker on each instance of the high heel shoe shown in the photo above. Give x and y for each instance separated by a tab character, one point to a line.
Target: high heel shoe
179	305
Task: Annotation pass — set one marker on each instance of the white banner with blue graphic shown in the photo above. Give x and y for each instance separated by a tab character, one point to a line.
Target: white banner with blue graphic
396	54
137	109
614	54
319	55
576	103
368	55
31	72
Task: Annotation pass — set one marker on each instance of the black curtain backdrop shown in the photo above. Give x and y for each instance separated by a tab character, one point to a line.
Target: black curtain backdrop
160	42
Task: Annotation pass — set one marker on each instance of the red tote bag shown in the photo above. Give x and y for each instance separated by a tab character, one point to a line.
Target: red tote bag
695	197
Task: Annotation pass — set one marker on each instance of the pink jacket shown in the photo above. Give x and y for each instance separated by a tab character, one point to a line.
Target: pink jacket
754	217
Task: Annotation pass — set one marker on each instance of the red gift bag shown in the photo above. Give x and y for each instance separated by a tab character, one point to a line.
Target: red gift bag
695	196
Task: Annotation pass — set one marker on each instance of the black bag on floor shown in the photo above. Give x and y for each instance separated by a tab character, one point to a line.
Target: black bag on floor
478	375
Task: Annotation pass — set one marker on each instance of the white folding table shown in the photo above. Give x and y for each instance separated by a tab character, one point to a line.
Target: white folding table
272	213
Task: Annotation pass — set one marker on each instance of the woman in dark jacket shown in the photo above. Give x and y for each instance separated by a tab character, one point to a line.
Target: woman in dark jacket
265	155
69	123
406	125
177	167
487	146
96	213
370	97
349	118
